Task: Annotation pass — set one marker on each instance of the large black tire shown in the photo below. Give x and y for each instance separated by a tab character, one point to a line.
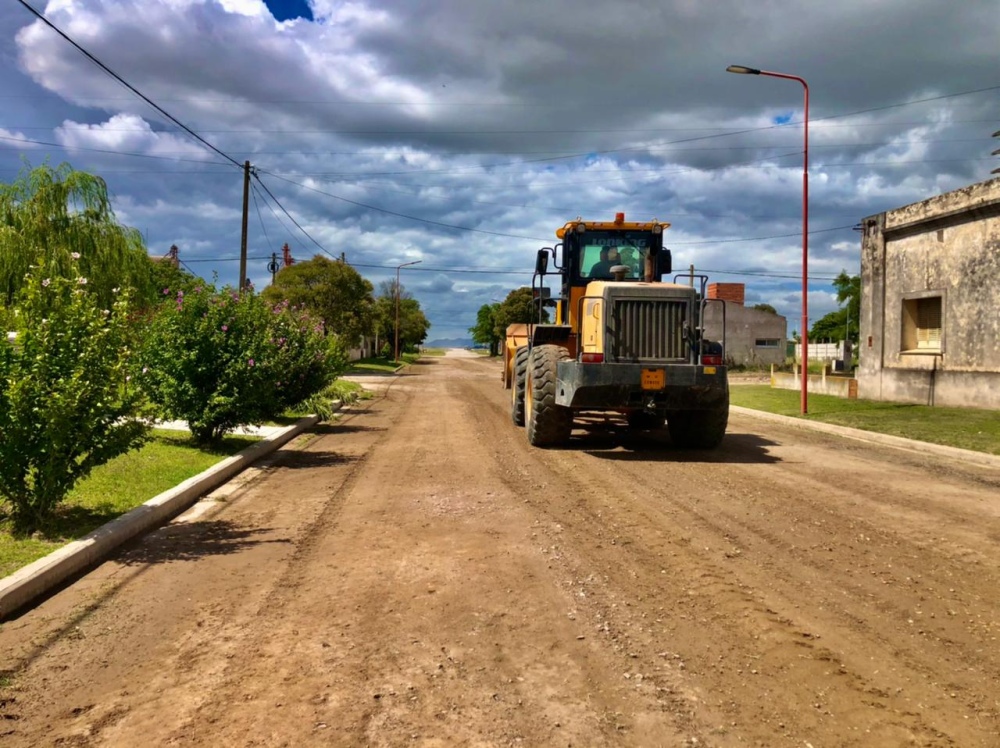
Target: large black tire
699	429
517	386
643	420
548	424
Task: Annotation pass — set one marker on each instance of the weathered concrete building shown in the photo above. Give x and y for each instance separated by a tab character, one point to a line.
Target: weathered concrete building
930	301
753	337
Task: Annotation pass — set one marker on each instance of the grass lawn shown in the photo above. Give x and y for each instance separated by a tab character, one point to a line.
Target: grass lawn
966	428
115	488
368	365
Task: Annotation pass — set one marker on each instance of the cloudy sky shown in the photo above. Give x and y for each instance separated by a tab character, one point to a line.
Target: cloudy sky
462	133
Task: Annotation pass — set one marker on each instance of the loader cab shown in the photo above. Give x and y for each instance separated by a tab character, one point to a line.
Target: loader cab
589	255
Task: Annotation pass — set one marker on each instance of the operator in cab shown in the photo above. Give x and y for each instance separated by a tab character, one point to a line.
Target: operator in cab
602	268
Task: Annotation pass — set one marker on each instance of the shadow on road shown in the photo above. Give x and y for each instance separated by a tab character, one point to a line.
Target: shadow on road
303	459
345	428
195	540
655	446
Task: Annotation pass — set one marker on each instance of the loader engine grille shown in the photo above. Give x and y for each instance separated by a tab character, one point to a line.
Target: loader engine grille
647	330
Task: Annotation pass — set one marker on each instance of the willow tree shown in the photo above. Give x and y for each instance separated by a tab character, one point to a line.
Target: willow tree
61	219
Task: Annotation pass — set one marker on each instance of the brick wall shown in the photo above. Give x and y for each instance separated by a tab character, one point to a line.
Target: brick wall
732	292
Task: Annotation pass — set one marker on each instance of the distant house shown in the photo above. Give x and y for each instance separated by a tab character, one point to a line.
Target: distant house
752	336
930	295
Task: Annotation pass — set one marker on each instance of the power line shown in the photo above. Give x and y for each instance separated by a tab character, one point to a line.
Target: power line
518	236
260	218
128	85
290	216
114	153
277	217
525	272
401	215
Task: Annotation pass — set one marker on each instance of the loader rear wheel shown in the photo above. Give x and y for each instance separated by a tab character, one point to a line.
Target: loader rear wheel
548	424
699	429
517	386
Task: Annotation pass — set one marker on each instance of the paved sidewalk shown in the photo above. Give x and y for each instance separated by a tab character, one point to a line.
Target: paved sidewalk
261	431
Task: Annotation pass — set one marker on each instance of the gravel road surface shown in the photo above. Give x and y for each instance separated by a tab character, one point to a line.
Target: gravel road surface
416	574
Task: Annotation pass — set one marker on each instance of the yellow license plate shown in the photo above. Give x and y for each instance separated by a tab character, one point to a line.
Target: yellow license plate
654	379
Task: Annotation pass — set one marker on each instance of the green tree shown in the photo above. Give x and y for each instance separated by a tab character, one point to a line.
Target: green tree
332	291
413	324
832	327
50	216
168	279
843	322
485	331
220	360
849	293
68	402
765	308
519	307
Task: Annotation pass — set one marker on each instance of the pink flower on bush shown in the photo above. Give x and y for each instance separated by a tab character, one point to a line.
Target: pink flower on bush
225	328
81	281
75	255
166	291
250	362
46	282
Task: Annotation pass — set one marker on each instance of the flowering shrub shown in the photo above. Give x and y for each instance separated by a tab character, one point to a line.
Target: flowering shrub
220	360
67	400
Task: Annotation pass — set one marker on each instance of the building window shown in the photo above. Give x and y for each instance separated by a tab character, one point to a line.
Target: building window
922	324
767	343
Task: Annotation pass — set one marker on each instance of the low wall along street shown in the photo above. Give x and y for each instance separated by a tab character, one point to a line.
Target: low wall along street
846	387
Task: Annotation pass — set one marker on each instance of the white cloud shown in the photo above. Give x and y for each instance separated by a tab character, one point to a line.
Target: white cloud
508	118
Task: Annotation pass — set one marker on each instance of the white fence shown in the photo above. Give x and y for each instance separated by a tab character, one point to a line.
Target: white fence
822	351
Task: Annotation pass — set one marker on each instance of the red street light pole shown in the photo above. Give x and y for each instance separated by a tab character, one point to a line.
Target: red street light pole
741	69
397	304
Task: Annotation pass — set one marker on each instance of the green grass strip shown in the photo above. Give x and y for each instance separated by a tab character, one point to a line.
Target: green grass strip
113	489
966	428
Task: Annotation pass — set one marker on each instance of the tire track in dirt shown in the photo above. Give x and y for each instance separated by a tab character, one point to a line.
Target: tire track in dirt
696	506
176	608
422	617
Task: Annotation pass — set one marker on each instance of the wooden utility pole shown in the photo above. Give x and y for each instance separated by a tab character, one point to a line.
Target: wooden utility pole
246	215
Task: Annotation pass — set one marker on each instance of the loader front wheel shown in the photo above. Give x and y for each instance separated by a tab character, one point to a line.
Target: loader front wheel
517	386
548	424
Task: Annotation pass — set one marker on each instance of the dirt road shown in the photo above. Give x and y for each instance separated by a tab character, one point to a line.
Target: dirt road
416	574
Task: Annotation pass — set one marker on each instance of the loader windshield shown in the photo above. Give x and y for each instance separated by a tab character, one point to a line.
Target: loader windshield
602	250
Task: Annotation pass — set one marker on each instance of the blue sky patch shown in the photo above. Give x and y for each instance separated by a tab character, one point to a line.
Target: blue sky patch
783	119
286	10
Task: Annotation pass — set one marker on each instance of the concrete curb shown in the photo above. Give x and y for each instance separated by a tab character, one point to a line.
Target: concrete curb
872	437
36	579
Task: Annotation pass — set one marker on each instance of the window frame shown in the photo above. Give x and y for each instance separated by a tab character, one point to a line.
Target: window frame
916	338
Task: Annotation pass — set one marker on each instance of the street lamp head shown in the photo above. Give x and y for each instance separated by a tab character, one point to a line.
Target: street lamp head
742	70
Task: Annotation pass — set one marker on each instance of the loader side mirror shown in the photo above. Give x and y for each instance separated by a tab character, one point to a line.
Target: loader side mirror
542	262
664	262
